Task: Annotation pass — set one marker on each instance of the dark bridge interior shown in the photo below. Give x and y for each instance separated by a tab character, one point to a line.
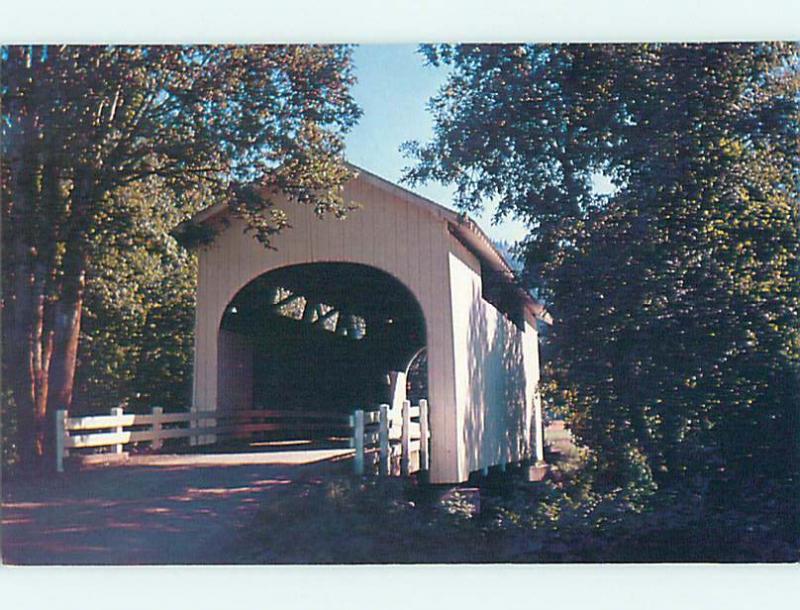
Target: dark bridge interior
325	335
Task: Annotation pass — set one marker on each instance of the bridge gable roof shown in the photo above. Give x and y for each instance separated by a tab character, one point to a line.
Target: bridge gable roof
461	227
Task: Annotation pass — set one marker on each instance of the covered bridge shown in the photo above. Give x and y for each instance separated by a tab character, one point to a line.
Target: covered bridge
342	309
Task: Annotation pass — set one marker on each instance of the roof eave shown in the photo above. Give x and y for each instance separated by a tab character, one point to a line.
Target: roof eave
471	235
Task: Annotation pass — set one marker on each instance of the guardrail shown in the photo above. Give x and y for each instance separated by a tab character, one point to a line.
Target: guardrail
118	428
381	437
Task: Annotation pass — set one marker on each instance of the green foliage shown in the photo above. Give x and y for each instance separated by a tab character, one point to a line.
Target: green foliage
137	333
223	115
676	295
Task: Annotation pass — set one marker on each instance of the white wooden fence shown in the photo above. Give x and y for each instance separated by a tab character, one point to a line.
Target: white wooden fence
397	442
382	437
118	428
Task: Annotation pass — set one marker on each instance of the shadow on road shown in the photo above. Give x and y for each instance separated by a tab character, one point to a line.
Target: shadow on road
154	509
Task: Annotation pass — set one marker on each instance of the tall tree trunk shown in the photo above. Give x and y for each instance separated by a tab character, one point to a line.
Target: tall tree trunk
41	344
21	369
43	318
68	310
67	329
21	349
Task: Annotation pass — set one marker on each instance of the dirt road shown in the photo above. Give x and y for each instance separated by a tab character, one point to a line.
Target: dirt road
164	509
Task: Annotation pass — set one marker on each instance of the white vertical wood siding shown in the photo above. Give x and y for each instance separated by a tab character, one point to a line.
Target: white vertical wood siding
496	369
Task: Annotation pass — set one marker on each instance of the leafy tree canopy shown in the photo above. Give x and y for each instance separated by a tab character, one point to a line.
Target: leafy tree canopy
675	347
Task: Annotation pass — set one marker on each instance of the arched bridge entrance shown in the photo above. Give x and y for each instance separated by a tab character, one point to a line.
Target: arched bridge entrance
315	339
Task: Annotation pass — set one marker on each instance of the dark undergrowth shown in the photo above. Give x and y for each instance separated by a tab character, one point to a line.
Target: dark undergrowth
344	520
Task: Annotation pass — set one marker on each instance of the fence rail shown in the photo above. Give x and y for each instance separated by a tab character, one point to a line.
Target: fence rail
383	435
118	428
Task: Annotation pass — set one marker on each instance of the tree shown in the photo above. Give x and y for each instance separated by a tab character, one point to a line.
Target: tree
80	123
675	348
137	328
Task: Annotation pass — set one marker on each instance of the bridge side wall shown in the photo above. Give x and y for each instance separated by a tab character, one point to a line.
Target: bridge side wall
496	373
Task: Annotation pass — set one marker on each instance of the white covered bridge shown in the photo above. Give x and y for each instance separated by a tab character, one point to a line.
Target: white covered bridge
402	296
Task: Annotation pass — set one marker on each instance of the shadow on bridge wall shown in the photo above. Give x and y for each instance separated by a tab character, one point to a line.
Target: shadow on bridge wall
499	403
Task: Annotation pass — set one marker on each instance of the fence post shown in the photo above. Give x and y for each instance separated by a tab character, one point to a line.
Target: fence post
117	412
397	389
193	423
405	458
383	436
61	438
157	442
358	441
424	435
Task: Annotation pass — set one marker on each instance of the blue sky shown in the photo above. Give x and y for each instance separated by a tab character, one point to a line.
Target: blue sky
393	87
